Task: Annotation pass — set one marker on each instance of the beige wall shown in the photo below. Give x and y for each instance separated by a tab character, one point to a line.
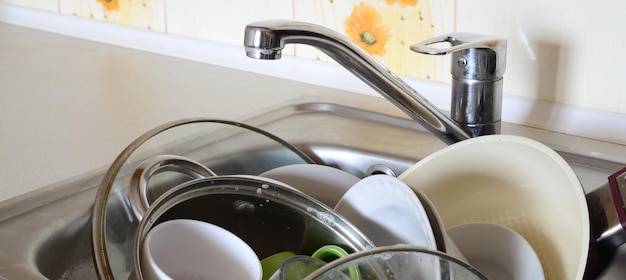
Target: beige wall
564	51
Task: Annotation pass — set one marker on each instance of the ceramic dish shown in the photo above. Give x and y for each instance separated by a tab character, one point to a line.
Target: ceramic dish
388	212
324	183
191	249
497	251
515	182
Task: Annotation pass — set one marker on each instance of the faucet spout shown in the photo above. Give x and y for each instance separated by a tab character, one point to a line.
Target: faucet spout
266	39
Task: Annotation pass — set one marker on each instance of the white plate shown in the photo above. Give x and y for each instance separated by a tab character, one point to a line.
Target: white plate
388	212
496	251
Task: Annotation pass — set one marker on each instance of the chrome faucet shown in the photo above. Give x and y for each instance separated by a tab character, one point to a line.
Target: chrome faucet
266	39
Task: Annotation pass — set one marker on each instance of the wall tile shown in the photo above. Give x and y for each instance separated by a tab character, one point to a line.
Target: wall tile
564	51
46	5
145	14
557	51
327	13
222	21
410	25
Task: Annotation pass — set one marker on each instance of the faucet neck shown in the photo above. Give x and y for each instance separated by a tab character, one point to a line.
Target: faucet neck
263	38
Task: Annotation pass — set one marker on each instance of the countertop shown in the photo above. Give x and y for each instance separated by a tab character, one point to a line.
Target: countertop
69	106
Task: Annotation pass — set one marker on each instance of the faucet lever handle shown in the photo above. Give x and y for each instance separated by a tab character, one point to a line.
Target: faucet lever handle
487	52
459	41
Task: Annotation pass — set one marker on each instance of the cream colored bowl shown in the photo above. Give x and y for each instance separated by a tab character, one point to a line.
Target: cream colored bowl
497	251
516	182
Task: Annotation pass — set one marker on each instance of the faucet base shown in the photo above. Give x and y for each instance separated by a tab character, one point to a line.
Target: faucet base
475	130
477	105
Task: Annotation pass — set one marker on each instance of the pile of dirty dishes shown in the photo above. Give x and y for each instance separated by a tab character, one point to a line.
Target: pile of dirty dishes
183	198
230	182
260	216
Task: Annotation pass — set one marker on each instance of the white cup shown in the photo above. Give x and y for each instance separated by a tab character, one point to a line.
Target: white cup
191	249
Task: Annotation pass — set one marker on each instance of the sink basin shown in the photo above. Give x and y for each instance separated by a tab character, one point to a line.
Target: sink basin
46	234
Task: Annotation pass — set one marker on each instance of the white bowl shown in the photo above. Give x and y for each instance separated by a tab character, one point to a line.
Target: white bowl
497	251
516	182
324	183
191	249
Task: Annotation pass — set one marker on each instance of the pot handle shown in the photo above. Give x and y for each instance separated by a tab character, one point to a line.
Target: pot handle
617	183
137	190
607	210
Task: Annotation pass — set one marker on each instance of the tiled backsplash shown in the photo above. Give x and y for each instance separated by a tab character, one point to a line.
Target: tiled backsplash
561	51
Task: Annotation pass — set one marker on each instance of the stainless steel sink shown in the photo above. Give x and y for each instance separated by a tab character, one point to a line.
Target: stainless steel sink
46	233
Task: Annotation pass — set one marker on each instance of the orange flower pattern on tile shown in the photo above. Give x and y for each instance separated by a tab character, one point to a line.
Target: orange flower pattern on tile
110	5
364	27
403	3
